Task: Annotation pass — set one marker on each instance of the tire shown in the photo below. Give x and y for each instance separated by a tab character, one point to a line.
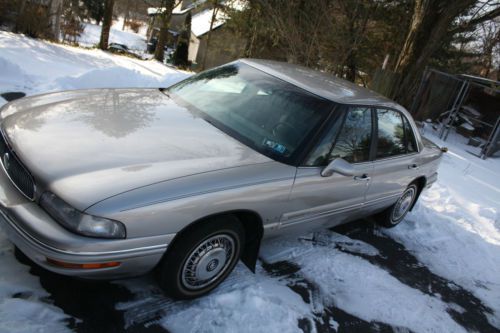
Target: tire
201	258
393	215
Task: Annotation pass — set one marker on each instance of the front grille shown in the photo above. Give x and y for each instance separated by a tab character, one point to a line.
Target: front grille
17	173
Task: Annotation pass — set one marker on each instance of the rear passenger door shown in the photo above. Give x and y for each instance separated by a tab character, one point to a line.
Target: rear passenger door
395	159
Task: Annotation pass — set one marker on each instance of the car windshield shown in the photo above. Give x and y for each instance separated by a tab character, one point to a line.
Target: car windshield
268	114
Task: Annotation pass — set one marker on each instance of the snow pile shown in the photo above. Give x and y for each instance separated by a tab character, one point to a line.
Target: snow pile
92	34
33	67
22	305
12	76
254	304
242	303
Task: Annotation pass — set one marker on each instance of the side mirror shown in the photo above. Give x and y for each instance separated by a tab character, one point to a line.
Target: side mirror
338	165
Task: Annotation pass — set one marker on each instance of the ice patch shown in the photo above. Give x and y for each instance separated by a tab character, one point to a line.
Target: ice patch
22	308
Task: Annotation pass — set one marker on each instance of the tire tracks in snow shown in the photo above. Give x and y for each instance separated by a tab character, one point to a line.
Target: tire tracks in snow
404	266
463	307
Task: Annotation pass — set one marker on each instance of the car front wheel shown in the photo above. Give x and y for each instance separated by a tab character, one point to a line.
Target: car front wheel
201	258
396	213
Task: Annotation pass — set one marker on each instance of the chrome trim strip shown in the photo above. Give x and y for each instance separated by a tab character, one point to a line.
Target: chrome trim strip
374	201
37	242
287	222
306	218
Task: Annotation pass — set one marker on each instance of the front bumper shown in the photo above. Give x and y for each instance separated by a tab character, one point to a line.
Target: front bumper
39	237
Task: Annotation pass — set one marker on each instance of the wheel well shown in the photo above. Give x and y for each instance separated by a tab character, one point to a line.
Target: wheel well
252	225
420	182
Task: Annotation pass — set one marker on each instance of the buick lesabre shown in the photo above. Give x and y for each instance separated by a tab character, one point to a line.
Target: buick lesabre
187	180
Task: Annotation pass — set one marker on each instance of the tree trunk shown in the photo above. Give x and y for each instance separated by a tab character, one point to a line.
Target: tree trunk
106	24
55	8
21	8
430	23
75	7
125	18
212	21
165	23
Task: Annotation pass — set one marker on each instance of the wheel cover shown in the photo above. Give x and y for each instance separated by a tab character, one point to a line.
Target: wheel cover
208	261
403	204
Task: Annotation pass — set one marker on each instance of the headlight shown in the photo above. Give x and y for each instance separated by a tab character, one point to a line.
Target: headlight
79	222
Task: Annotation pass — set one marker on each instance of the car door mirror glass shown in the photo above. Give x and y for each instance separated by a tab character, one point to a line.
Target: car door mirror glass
340	166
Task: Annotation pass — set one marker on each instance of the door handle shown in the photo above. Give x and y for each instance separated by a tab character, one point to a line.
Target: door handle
362	177
413	166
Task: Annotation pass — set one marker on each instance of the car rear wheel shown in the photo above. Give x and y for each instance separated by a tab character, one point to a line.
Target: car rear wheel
202	258
396	213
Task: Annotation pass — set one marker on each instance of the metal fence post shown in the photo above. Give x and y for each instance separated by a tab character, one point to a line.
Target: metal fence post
492	142
457	104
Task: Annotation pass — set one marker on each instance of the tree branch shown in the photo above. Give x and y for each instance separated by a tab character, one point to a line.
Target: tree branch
471	23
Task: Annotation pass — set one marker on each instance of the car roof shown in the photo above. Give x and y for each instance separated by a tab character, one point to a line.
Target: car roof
322	84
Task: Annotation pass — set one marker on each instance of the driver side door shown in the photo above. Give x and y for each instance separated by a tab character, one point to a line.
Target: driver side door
319	201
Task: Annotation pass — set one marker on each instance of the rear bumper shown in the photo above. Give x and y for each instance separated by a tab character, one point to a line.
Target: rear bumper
40	238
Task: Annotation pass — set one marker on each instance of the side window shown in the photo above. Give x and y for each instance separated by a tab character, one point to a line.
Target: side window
348	138
391	134
353	142
411	142
320	155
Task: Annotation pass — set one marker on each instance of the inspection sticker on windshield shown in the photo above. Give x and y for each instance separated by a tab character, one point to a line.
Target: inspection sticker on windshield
277	147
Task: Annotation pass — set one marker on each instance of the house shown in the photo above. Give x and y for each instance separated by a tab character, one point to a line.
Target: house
224	46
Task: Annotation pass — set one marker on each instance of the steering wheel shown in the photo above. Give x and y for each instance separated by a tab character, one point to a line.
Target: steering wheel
283	127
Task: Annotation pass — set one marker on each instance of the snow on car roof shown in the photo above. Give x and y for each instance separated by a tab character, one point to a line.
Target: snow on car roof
322	84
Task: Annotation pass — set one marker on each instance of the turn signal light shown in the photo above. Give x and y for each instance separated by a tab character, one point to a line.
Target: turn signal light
83	266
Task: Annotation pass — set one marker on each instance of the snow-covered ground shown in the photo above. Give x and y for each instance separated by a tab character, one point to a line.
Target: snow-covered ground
438	271
34	67
134	41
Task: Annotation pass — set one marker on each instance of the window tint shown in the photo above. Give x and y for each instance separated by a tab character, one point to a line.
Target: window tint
320	155
353	142
350	141
269	115
411	142
391	134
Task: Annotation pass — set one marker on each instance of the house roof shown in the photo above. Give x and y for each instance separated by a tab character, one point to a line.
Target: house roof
200	23
179	11
155	10
322	84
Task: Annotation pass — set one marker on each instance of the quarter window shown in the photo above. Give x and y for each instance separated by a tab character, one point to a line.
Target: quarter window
411	142
391	135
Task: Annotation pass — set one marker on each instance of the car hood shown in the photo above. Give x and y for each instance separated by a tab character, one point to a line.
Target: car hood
88	145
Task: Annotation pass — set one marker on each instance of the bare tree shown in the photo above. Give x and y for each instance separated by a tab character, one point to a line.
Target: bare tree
213	19
165	14
106	24
55	12
490	41
431	22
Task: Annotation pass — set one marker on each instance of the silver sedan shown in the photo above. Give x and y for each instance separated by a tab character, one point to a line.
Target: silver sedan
187	180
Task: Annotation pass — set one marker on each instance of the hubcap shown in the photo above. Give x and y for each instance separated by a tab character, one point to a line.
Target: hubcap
403	204
208	261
